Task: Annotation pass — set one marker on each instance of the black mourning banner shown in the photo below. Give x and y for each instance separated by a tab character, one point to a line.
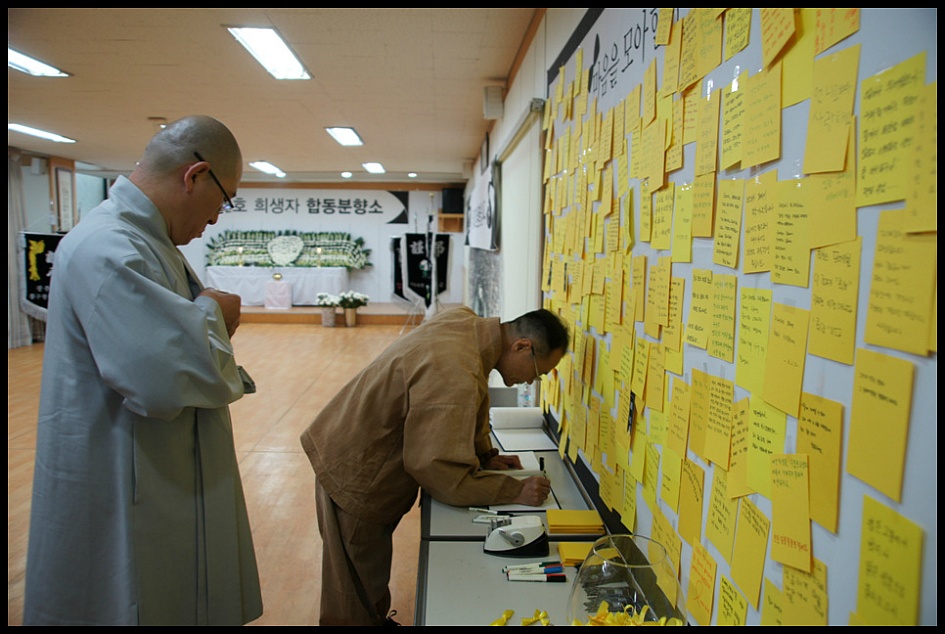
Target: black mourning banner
39	250
414	263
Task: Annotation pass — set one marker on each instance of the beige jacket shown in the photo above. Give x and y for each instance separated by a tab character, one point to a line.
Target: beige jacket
418	416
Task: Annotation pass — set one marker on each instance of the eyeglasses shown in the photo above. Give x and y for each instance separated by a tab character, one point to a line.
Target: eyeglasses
227	203
535	361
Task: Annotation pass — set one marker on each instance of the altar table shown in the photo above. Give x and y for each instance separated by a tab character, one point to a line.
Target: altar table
249	282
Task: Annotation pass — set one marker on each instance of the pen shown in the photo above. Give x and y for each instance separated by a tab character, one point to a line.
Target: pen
541	467
535	566
486	511
550	570
552	578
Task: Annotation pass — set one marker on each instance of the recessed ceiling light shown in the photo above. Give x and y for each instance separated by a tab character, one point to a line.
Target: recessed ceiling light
412	174
50	136
374	168
345	136
268	168
30	66
346	175
270	50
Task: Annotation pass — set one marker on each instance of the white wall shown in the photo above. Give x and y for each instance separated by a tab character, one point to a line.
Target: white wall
520	224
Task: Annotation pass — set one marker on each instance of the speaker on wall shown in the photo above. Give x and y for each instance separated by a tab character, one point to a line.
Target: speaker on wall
492	107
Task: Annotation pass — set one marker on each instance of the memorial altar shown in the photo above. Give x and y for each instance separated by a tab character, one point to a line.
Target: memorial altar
283	269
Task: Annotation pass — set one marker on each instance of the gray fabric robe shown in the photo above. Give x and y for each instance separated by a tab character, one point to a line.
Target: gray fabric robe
138	515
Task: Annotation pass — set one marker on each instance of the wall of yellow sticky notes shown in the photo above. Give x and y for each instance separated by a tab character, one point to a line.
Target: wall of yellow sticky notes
742	231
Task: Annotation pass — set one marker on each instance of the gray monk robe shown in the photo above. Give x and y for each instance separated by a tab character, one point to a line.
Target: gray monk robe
138	515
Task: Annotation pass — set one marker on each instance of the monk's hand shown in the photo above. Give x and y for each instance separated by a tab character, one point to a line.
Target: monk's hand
229	304
503	462
535	491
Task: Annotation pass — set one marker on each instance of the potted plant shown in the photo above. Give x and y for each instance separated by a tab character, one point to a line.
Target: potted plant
328	303
351	301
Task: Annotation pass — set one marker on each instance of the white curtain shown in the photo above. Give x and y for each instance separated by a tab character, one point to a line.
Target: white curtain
18	324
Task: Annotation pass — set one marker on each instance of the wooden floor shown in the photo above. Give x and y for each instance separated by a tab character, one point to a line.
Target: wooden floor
297	368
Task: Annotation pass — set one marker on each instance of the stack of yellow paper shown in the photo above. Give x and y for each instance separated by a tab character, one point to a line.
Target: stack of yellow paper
561	521
573	553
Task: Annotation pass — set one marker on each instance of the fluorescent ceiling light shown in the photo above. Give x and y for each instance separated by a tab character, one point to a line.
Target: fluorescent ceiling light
412	174
271	51
374	168
268	168
345	136
30	66
346	175
16	127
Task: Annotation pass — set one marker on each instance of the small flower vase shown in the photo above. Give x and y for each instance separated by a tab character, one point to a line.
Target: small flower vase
351	317
328	316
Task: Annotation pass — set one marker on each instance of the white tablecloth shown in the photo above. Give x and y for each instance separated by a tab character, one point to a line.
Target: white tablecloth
278	294
249	282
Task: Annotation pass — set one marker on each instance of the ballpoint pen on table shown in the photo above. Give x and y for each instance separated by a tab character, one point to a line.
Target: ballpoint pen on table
558	577
541	567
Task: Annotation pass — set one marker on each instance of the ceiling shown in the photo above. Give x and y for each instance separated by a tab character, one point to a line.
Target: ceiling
410	81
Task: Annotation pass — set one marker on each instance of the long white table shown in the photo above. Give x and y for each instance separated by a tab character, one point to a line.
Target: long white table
249	282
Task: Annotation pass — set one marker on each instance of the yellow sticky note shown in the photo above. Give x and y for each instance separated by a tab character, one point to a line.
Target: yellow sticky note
805	595
829	123
718	433
721	343
834	295
787	350
754	319
766	434
819	435
720	522
879	420
791	264
733	608
888	102
777	27
728	222
748	554
890	567
763	118
903	286
760	205
707	122
738	463
672	471
690	502
697	328
790	511
701	592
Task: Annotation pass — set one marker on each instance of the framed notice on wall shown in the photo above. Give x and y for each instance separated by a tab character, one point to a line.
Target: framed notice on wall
65	200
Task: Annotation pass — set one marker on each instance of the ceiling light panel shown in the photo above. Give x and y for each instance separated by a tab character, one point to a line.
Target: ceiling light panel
42	134
267	168
30	66
270	50
345	136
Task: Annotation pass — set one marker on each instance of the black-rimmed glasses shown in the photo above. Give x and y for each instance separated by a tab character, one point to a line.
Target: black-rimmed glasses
227	203
535	361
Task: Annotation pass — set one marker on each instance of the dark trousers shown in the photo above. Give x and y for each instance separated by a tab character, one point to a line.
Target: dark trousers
356	560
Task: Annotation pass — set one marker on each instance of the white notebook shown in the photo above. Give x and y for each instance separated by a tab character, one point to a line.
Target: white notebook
520	429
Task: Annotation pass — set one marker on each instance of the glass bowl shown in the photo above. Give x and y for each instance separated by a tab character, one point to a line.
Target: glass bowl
627	580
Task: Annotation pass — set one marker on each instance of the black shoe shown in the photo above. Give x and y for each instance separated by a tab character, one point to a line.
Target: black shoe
390	620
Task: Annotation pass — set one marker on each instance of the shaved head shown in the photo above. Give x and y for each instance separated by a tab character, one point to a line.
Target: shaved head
175	146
